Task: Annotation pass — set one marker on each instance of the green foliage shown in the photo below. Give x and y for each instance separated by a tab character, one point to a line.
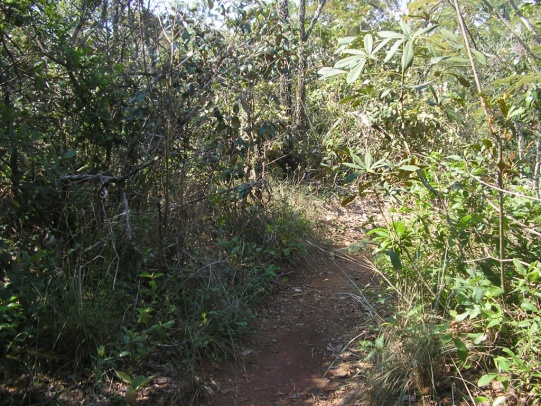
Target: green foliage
427	257
460	241
136	207
134	384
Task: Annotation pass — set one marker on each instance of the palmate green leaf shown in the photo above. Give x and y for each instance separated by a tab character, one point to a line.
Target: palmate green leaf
349	98
354	52
356	158
452	116
392	51
328	72
124	376
391	34
494	291
431	49
368	160
424	31
349	62
353	74
141	381
459	59
529	307
479	57
407	55
354	166
346	40
461	79
353	176
395	260
503	364
519	267
462	350
368	43
409	168
406	29
494	322
381	45
449	35
69	154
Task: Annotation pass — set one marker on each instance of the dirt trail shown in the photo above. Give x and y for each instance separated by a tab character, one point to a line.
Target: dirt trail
300	353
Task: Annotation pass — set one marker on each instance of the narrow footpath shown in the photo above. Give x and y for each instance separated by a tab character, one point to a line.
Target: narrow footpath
304	350
301	354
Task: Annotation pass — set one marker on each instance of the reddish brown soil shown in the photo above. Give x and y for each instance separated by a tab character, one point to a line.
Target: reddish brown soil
301	355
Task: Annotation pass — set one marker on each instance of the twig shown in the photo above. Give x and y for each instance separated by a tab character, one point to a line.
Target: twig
525	21
126	213
524	226
496	259
493	133
259	184
105	179
508	26
503	190
265	388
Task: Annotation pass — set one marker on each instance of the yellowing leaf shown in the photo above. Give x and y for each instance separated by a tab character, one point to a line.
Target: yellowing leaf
124	376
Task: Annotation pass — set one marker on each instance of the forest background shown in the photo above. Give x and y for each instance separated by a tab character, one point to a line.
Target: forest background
157	171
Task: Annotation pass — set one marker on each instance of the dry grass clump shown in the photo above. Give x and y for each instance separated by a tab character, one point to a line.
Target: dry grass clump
409	360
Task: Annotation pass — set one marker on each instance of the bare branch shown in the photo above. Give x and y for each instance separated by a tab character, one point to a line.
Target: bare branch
126	213
105	179
508	26
525	21
314	19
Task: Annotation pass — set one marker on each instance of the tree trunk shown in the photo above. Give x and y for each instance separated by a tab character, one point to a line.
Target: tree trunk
300	114
285	74
299	123
537	169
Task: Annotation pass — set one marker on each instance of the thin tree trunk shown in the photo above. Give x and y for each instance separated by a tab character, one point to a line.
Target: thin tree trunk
499	141
285	74
304	34
537	169
525	22
300	114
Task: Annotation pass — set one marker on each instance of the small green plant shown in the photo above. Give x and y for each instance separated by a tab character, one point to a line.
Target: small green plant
134	383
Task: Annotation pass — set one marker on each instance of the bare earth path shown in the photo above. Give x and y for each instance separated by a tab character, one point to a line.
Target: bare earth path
300	354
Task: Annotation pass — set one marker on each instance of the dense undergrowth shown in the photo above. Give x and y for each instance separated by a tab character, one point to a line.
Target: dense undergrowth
168	300
140	152
459	249
453	329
